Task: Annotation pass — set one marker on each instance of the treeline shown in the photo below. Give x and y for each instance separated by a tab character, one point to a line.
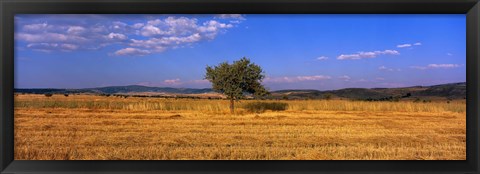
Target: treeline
390	98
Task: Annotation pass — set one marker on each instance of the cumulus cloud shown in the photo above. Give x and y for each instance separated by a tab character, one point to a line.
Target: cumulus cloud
295	79
417	44
116	36
322	58
370	54
138	25
146	36
436	66
132	52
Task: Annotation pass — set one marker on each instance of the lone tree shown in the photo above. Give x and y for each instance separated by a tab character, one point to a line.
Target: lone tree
236	79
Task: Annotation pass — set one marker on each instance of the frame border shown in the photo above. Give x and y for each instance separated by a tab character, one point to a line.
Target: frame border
8	8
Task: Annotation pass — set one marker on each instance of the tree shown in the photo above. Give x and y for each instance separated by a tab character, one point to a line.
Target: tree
236	79
327	96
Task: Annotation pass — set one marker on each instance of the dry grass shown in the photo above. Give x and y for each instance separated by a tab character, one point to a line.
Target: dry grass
83	127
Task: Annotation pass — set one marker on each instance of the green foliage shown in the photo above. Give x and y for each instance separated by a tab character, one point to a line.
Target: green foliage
327	96
259	107
235	79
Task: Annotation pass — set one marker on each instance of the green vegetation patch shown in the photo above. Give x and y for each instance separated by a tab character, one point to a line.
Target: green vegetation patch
259	107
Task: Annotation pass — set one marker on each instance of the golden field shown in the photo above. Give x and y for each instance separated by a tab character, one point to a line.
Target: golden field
88	127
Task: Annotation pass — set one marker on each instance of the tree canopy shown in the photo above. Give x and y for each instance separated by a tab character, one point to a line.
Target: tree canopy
236	79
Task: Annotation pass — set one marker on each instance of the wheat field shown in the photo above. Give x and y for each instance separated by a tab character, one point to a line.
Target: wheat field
88	127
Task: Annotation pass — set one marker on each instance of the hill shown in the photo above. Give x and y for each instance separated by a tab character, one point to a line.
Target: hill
446	91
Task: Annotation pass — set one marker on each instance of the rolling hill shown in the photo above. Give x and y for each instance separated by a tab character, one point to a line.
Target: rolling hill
448	91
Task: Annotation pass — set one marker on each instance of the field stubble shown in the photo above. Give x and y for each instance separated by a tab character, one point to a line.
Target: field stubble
86	127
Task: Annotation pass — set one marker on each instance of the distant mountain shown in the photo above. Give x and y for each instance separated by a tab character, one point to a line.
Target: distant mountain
119	90
448	91
140	89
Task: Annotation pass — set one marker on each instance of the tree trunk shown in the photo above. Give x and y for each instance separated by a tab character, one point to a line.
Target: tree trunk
232	107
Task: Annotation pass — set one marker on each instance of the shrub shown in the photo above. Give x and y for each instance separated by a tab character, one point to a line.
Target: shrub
327	96
48	94
66	95
259	107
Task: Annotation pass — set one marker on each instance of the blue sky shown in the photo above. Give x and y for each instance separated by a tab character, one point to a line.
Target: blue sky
296	51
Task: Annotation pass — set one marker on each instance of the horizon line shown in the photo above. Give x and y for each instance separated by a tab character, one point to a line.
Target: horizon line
268	90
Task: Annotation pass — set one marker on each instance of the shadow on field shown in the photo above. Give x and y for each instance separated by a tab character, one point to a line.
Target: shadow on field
260	107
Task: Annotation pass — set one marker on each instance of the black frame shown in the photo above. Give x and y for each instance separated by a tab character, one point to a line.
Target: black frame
8	8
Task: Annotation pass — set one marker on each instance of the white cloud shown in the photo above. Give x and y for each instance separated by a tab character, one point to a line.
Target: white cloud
404	45
295	79
172	81
322	58
436	66
117	25
131	52
156	35
311	78
370	54
231	16
45	37
150	30
380	78
384	68
409	45
36	27
345	78
173	32
75	30
116	36
138	25
48	47
443	65
69	46
449	54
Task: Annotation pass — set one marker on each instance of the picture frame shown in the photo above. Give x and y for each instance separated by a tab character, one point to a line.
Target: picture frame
8	8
